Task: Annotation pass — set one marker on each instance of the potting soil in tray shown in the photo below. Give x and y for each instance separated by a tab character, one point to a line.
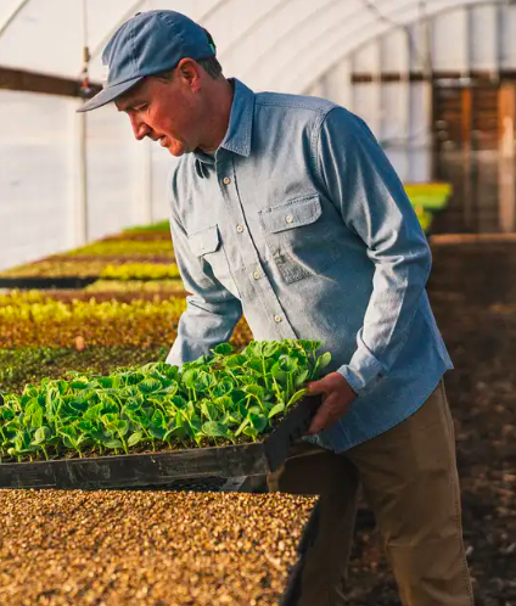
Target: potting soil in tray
118	548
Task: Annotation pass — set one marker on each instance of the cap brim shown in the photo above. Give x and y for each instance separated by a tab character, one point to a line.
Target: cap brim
109	94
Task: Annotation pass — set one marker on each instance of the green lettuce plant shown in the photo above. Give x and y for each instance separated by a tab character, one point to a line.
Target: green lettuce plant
224	397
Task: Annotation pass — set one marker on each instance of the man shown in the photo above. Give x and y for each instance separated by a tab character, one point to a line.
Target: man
286	209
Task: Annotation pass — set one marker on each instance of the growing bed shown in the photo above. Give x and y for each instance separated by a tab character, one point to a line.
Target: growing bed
122	548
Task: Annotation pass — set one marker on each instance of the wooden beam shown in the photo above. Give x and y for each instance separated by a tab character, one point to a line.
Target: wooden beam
21	80
361	78
476	77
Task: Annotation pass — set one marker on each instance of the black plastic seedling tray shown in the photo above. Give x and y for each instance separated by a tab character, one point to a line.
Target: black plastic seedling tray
159	468
58	283
47	282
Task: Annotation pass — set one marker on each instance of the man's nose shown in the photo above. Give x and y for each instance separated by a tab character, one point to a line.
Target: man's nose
140	129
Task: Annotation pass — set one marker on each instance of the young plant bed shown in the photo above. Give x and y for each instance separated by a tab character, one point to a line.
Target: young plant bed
201	418
180	548
120	247
118	259
123	292
141	271
160	226
26	321
430	196
31	319
141	236
24	365
67	273
137	287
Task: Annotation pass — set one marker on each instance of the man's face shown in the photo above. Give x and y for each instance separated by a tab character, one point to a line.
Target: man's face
167	112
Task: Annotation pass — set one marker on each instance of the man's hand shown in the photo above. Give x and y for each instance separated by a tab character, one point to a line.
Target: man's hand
337	397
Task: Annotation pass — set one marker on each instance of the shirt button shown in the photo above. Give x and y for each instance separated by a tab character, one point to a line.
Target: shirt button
239	229
277	319
226	180
256	275
289	218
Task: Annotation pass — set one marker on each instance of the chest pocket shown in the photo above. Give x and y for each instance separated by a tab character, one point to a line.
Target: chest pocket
300	238
206	244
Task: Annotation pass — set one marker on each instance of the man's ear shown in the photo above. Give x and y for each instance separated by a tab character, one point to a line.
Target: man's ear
190	72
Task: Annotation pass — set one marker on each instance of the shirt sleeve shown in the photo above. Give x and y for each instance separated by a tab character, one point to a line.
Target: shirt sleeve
211	310
360	180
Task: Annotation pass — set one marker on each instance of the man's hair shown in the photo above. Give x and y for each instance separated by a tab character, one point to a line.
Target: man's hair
210	65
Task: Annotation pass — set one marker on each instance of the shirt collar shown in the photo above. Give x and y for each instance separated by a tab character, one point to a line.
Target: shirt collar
238	135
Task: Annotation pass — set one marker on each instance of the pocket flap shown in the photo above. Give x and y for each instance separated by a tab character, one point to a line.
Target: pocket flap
204	241
294	213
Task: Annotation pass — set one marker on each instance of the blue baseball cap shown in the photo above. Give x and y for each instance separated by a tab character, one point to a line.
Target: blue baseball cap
147	44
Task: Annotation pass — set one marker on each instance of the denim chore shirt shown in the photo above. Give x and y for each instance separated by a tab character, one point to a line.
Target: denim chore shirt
300	222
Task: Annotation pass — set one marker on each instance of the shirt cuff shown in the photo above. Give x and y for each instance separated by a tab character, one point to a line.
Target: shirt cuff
362	370
172	359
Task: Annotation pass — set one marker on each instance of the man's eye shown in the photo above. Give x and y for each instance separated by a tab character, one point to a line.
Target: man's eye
141	108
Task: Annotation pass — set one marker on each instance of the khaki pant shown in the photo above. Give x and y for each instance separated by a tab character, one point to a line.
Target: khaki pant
409	478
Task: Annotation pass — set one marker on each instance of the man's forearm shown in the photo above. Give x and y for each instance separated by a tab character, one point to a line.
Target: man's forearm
203	326
393	304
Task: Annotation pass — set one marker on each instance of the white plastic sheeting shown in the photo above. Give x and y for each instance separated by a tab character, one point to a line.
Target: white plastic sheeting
278	44
298	46
35	176
39	181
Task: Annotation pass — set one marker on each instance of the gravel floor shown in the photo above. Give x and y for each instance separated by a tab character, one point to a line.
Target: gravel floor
140	548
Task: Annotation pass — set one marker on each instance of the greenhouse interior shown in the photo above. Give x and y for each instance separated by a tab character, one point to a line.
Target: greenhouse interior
258	302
